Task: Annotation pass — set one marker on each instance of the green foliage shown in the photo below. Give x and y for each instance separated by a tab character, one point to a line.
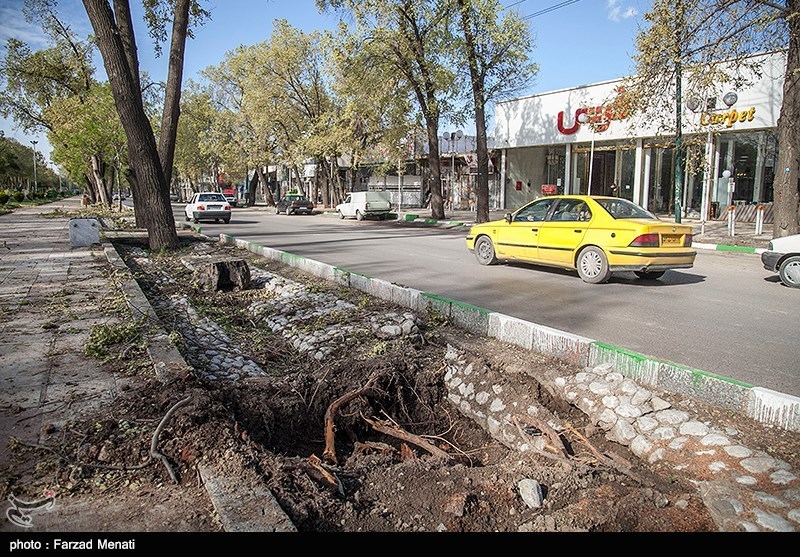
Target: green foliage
102	338
4	197
18	196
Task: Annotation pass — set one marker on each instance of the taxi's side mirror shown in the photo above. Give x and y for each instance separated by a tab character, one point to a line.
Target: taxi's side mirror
508	218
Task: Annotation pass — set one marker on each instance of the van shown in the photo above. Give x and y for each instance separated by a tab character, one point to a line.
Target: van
363	204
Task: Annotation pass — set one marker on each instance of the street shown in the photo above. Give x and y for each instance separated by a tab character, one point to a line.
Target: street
726	315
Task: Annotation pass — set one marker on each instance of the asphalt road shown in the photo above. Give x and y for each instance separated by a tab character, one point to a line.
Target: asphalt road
726	315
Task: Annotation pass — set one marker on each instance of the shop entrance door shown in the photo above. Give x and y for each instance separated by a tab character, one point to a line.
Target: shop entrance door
603	172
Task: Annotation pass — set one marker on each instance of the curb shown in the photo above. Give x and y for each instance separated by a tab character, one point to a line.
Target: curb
168	362
724	247
762	405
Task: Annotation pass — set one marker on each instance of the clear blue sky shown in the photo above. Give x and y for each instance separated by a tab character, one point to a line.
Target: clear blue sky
577	42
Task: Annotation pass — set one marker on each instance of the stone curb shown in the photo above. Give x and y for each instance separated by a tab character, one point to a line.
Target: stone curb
763	405
168	362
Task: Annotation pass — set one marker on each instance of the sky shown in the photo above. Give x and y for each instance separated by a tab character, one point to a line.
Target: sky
576	42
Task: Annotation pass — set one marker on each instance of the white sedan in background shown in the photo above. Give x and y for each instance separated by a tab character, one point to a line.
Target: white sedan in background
783	257
208	206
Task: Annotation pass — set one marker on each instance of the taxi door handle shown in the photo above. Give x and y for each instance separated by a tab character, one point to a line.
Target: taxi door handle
534	230
578	231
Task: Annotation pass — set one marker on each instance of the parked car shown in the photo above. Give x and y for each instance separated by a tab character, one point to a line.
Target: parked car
593	235
294	204
208	206
230	195
363	204
783	257
173	197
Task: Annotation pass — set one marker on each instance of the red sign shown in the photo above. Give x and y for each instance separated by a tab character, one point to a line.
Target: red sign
229	192
548	189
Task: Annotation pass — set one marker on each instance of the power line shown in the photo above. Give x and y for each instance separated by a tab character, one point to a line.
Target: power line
514	4
550	9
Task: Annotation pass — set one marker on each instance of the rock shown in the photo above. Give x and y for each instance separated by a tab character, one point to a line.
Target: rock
456	504
714	439
770	500
599	388
758	465
640	446
646	423
628	411
390	331
531	493
737	451
746	480
622	432
482	397
640	397
672	417
772	521
603	368
610	401
695	428
497	405
782	477
659	404
663	433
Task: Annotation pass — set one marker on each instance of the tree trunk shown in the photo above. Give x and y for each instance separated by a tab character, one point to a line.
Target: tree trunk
98	173
479	101
144	160
251	190
264	179
787	196
172	95
90	188
437	203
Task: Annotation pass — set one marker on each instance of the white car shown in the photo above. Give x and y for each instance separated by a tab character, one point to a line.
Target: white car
362	204
208	205
783	257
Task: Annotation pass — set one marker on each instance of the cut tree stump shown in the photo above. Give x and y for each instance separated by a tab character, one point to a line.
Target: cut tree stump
227	274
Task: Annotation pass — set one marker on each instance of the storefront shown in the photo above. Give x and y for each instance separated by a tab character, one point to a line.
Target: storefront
576	141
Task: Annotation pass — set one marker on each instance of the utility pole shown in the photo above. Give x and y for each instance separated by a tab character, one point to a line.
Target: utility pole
35	178
680	19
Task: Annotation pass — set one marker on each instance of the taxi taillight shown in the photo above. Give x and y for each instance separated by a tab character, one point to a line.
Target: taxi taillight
201	207
645	241
226	208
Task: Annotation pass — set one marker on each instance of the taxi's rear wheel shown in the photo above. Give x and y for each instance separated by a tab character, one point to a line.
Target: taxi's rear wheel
592	265
649	275
484	251
790	272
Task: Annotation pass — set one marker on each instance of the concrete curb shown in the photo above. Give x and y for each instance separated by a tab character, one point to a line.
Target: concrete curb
763	405
168	362
724	247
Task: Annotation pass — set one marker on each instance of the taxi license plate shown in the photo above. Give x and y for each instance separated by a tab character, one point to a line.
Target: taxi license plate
670	240
212	207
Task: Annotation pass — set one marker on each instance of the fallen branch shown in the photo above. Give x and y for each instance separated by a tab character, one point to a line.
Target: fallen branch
387	428
329	454
540	452
318	473
556	445
154	452
586	442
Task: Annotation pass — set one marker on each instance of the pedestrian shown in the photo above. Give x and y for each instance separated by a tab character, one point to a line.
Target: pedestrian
85	200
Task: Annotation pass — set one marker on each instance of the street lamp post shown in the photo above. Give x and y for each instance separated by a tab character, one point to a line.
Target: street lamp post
35	177
583	118
451	137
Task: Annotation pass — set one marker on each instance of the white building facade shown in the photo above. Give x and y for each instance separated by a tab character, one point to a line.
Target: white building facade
546	149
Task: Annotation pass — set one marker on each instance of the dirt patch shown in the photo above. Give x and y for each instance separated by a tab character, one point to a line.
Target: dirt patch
270	420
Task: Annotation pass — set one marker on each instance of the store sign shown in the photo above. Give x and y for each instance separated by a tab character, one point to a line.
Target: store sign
548	189
727	118
599	116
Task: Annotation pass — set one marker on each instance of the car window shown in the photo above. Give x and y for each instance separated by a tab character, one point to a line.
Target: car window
534	212
571	210
347	199
624	209
211	197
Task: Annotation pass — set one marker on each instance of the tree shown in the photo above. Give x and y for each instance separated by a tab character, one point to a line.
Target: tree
495	52
683	54
410	38
115	38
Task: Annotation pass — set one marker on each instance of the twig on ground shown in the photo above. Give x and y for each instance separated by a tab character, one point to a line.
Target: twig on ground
556	444
154	452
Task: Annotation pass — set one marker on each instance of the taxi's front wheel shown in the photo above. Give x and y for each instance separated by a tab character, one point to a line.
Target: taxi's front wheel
484	251
592	265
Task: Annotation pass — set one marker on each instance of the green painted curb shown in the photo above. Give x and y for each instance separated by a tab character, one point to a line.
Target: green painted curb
410	217
697	374
736	248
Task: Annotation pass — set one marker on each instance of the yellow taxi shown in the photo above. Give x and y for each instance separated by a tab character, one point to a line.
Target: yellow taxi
593	235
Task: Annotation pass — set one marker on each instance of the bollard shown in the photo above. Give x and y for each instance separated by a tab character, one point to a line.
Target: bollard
759	219
731	220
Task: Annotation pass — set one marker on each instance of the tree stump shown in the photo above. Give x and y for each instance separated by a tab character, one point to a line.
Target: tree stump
229	274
